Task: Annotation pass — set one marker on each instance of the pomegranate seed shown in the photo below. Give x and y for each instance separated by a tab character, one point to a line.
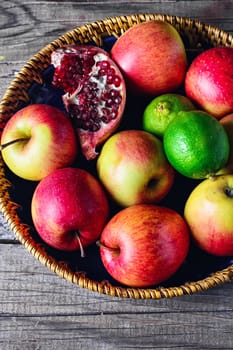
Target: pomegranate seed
113	93
111	71
117	100
95	127
117	81
109	102
110	79
85	116
103	64
114	114
101	73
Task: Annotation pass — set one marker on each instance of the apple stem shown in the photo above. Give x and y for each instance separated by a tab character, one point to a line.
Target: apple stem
12	142
80	246
101	245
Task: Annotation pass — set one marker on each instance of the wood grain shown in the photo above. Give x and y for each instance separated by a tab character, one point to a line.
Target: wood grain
38	309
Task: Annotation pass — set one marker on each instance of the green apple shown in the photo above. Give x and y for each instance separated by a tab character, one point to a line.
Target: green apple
37	140
133	168
209	214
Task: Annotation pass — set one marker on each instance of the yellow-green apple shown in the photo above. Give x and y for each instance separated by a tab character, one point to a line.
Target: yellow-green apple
152	58
133	168
69	209
209	214
144	244
208	82
227	123
36	140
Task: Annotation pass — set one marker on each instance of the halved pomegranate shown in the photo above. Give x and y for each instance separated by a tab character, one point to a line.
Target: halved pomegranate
95	92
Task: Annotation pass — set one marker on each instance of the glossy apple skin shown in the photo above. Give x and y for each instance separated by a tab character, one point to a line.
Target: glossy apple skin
144	244
208	81
51	141
227	123
209	214
133	168
66	203
152	58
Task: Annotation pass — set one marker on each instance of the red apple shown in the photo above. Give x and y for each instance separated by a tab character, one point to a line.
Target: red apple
133	168
209	214
144	245
69	209
37	140
209	82
152	58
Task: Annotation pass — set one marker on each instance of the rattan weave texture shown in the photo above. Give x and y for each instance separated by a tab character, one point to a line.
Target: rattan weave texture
196	36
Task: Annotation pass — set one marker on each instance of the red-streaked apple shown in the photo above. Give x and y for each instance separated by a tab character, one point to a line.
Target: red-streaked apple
209	215
152	58
69	209
208	81
36	140
144	244
133	168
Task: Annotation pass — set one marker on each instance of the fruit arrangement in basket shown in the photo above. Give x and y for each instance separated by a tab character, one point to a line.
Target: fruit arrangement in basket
131	126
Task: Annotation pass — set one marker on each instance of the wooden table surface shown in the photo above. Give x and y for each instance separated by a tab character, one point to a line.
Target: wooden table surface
39	310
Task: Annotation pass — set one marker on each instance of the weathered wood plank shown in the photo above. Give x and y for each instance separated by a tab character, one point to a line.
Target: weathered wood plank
39	310
28	26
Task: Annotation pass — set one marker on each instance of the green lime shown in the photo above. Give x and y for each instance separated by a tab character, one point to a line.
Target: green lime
162	110
196	144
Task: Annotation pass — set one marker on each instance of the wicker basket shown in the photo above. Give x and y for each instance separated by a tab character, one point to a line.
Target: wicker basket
196	36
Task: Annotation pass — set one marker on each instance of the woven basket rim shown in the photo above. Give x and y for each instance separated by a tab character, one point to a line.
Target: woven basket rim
17	91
